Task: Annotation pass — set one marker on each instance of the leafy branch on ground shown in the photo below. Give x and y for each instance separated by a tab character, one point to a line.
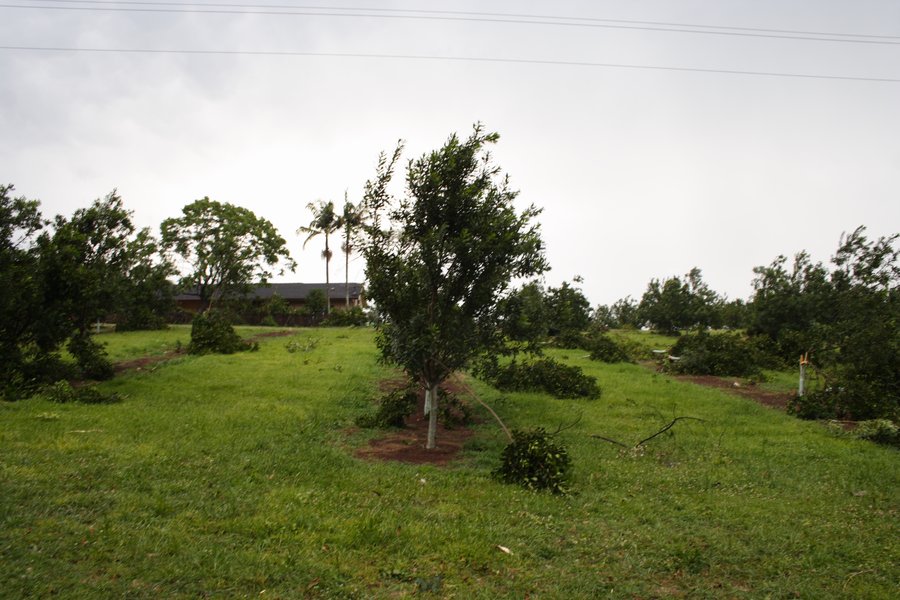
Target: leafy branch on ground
533	461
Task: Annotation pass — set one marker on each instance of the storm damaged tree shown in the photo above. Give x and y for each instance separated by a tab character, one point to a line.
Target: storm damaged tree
439	259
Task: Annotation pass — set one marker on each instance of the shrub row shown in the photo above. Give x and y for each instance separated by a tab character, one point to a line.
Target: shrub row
545	374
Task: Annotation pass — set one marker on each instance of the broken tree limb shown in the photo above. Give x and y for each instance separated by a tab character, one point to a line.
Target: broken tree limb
611	441
560	429
666	428
647	439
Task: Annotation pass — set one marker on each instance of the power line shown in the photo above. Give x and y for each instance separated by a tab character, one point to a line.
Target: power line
525	61
431	16
460	12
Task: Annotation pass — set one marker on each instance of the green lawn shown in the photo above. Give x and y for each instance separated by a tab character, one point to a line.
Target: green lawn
233	477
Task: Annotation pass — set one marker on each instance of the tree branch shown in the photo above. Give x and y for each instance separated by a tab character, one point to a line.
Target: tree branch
647	439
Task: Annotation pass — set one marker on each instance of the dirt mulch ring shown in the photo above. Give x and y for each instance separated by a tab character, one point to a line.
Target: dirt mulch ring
741	388
408	444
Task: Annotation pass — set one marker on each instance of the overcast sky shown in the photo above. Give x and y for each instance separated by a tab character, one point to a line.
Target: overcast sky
641	173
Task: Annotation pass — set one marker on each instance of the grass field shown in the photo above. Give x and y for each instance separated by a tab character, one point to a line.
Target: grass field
234	477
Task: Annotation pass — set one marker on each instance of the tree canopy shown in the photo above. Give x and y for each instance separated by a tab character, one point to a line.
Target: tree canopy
674	304
439	258
225	247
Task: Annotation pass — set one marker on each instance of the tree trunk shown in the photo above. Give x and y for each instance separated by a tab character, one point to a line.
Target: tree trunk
327	282
432	415
347	275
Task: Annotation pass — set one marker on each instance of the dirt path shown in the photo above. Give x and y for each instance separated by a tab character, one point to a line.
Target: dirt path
777	400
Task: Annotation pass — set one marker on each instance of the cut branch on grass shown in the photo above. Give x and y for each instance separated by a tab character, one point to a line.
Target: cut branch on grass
646	439
560	429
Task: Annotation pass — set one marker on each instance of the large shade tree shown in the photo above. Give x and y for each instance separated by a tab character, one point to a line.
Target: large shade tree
225	248
439	259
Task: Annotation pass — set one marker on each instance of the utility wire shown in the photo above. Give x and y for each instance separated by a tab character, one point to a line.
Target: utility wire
517	21
525	61
460	12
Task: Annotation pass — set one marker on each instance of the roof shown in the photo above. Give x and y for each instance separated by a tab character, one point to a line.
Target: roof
290	291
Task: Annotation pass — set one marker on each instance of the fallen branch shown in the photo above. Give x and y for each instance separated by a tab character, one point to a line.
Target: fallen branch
560	429
647	439
666	428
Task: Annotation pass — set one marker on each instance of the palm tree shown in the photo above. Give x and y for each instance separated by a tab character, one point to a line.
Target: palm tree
350	220
325	221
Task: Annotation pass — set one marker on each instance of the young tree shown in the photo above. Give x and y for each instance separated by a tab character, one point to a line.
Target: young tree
326	222
226	248
438	259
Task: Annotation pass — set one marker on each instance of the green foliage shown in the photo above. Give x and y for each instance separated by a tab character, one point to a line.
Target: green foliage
792	308
316	303
880	431
20	307
227	247
568	310
62	392
346	317
570	339
703	353
439	260
673	304
212	332
523	315
56	285
545	374
623	313
91	357
453	412
393	408
848	319
606	349
148	298
533	461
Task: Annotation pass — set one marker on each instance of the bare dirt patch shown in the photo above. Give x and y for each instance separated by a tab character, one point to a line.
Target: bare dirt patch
752	391
408	444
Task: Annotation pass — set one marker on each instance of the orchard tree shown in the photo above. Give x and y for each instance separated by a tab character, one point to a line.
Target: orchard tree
439	259
568	310
675	304
793	308
226	248
20	310
96	265
524	315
